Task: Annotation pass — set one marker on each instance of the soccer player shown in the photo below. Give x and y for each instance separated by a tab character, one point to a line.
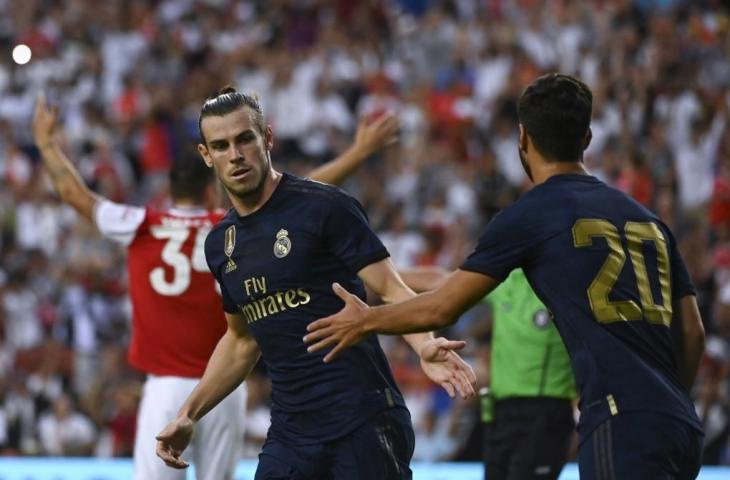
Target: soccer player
177	313
275	255
609	271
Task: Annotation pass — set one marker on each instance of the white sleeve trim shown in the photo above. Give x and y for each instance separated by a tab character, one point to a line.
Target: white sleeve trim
117	221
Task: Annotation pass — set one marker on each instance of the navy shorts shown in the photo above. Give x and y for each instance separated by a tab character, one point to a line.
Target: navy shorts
529	438
380	449
640	446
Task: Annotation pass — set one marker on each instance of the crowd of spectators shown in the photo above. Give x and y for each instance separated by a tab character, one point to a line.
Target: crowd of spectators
130	78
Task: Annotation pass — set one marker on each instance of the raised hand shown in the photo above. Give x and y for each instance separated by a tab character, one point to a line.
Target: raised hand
45	120
173	439
374	134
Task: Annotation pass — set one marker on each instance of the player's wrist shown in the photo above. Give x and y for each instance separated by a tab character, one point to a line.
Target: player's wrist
423	341
369	322
188	414
357	151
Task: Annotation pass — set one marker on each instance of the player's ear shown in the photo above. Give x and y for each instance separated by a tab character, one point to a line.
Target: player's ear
203	151
523	143
269	137
587	140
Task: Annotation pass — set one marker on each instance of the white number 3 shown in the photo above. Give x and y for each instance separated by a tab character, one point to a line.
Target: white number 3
173	256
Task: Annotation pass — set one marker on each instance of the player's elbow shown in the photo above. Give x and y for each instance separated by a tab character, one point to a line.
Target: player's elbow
80	199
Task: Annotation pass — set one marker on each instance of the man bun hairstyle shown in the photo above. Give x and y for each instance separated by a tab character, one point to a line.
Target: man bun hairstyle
555	111
229	100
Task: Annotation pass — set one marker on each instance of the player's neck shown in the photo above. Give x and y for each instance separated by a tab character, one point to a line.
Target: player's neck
249	204
550	169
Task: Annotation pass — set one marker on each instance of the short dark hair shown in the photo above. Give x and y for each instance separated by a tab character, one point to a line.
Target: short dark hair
189	175
229	100
555	111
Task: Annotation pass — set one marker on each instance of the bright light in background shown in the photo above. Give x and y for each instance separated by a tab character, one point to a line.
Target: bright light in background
21	54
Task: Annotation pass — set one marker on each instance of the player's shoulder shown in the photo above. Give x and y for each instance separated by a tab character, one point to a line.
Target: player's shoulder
614	202
578	196
549	205
216	240
225	219
528	205
558	188
315	190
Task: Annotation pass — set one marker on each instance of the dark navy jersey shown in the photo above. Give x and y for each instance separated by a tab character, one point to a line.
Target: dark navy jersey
608	270
276	268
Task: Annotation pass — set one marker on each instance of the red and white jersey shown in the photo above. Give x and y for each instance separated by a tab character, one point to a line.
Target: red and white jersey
177	313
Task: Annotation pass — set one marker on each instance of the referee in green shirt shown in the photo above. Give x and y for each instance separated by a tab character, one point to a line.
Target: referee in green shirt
527	410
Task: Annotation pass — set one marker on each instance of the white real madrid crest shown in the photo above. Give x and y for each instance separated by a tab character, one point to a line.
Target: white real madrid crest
229	245
282	245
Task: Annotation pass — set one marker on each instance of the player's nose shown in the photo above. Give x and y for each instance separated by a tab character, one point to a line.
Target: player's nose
236	155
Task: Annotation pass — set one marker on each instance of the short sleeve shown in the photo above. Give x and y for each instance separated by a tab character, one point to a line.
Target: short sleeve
117	221
229	306
504	245
348	235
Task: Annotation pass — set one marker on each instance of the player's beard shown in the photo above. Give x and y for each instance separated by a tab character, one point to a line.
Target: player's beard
255	185
525	165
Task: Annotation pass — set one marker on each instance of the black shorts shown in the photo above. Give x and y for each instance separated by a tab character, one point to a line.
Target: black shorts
380	449
529	438
639	446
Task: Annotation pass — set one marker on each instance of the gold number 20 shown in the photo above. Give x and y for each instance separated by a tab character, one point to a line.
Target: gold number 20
607	311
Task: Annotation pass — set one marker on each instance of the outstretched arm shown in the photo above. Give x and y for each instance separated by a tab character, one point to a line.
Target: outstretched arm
232	360
438	356
423	313
66	179
369	138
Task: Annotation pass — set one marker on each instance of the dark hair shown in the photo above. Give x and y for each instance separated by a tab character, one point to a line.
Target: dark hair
189	176
229	100
555	111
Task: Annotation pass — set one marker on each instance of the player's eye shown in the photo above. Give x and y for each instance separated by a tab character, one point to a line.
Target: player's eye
245	138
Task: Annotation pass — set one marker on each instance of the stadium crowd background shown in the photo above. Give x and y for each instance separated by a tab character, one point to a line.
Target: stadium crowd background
130	77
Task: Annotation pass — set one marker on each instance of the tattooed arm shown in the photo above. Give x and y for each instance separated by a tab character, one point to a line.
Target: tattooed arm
66	179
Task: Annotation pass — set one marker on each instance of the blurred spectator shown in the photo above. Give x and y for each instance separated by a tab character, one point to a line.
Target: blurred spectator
65	431
713	402
696	155
405	245
21	323
18	418
122	421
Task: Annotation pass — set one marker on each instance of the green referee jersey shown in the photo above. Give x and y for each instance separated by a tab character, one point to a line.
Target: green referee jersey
528	355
